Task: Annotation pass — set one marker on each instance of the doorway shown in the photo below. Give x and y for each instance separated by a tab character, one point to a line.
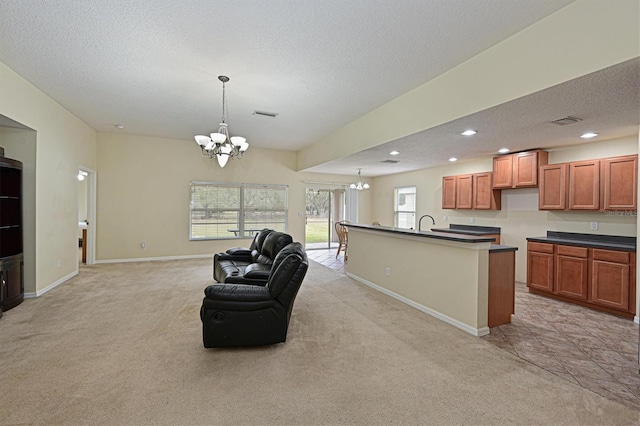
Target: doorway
86	216
324	206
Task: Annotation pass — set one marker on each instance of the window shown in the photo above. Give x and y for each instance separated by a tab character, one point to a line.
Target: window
221	211
405	207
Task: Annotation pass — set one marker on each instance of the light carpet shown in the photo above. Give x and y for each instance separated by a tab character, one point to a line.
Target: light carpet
121	344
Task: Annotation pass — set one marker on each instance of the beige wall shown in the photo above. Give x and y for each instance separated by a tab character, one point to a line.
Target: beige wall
584	37
63	142
519	217
143	193
426	272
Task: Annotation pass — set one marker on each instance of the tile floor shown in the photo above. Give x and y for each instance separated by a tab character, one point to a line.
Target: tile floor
592	349
327	257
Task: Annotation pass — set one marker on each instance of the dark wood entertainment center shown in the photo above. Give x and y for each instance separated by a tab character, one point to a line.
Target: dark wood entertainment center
11	246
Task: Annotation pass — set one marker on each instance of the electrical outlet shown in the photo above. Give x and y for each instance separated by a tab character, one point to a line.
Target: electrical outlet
58	263
594	226
445	218
472	220
143	245
387	271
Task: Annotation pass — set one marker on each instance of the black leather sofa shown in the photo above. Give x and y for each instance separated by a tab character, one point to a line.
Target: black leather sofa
253	315
250	266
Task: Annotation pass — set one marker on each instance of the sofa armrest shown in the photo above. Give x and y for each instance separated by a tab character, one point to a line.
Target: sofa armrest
237	293
257	271
234	257
239	251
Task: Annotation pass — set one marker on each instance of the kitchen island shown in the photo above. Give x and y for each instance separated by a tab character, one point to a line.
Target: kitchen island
463	280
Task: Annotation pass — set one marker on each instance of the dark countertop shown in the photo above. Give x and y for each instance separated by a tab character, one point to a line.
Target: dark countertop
469	229
427	234
495	248
610	242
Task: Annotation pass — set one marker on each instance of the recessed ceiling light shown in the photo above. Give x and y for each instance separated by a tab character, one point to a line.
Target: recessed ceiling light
468	133
394	153
452	159
503	150
589	135
119	126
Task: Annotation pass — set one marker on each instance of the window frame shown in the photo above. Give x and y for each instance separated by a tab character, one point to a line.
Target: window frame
395	205
241	210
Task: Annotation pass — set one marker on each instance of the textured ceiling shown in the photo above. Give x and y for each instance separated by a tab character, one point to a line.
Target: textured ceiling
606	101
152	65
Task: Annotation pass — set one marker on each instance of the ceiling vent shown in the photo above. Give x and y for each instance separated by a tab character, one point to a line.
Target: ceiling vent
566	120
265	114
389	161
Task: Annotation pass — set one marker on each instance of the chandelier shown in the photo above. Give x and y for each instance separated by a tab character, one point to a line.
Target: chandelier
220	145
359	185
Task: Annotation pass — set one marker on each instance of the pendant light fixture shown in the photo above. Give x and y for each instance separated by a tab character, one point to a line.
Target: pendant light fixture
220	145
359	185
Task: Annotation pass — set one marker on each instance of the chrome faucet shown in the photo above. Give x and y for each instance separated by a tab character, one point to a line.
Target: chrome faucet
420	221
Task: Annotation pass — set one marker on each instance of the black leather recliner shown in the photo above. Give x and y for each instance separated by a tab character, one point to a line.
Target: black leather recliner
252	265
252	315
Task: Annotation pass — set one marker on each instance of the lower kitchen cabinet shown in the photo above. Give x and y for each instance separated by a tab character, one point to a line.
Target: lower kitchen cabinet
540	266
610	279
597	278
572	268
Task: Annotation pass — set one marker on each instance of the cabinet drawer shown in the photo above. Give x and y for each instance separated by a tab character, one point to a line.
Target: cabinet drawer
611	256
540	247
573	251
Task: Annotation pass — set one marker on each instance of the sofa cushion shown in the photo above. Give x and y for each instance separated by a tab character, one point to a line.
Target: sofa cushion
273	243
287	264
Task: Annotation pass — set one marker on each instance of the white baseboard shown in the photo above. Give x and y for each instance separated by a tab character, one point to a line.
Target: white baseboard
152	259
39	293
478	332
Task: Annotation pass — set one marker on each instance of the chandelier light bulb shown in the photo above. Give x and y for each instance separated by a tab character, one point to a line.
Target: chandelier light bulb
218	137
222	160
238	140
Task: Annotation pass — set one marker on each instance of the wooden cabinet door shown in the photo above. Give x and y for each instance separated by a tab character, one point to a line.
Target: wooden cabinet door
449	192
553	187
571	277
12	282
610	284
503	172
525	169
484	196
620	184
464	192
540	271
584	185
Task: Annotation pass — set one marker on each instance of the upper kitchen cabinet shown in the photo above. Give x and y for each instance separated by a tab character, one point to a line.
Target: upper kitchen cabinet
553	187
484	196
600	184
470	191
620	182
464	192
584	185
519	170
449	192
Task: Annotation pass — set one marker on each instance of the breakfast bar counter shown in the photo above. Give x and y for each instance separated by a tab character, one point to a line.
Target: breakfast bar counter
463	280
